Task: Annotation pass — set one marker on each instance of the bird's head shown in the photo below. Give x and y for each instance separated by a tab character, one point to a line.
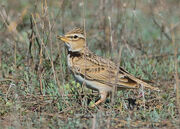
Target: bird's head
74	40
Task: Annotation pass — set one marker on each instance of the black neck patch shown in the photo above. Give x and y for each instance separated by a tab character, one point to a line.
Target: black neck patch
74	54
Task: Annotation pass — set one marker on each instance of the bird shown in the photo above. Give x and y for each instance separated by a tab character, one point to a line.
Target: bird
96	72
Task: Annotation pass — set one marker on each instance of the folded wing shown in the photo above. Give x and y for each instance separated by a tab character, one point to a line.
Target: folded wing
108	73
105	74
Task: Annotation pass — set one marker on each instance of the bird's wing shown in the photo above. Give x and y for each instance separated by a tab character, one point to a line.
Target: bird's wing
104	71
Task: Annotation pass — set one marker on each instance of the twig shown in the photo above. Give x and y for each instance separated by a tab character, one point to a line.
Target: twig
161	27
0	60
176	72
84	27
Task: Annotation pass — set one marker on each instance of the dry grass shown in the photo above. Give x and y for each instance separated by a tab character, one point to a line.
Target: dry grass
38	91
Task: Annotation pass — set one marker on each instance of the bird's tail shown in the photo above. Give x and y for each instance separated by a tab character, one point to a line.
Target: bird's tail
139	81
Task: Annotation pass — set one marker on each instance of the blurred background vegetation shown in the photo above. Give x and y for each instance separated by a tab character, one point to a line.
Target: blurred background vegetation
38	91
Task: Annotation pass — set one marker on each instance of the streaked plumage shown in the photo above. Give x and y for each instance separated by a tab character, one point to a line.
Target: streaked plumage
98	73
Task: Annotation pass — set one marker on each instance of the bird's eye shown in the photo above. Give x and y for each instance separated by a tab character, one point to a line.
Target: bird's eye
75	36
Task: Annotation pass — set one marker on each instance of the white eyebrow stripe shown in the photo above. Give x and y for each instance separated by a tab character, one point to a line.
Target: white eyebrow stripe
79	35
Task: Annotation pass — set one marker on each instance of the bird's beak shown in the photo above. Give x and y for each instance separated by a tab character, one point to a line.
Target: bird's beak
62	38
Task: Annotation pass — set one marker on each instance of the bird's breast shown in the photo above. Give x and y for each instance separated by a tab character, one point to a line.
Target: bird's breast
69	62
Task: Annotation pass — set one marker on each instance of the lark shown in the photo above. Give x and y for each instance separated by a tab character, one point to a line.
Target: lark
96	72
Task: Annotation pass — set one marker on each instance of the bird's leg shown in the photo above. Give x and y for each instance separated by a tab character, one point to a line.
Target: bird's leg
102	99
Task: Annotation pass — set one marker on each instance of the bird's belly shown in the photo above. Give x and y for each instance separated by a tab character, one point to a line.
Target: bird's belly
93	84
